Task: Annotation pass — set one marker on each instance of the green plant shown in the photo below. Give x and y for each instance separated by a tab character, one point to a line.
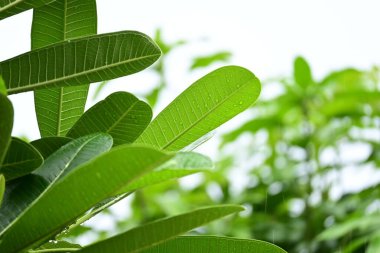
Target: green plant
86	161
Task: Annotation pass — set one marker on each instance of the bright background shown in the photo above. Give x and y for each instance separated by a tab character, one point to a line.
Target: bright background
263	36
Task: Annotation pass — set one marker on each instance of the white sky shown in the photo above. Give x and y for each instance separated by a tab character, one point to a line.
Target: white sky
264	36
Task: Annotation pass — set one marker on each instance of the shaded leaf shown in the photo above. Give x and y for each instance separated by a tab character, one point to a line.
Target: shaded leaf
97	58
20	160
112	171
121	115
159	231
58	109
205	105
6	125
47	146
12	7
208	244
23	192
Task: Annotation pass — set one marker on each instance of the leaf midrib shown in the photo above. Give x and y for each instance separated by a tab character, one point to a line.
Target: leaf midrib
122	117
204	116
42	84
10	5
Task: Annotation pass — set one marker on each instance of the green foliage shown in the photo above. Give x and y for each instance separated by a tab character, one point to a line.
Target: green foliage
58	109
20	160
50	186
121	115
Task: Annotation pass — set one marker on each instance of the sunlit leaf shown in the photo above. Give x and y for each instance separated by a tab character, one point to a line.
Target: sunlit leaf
205	61
84	60
121	115
159	231
302	72
205	105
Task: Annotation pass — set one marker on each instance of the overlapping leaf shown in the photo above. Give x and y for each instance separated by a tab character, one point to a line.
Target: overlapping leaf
6	124
112	171
208	244
58	109
24	191
84	60
205	105
20	160
154	233
12	7
121	115
47	146
2	188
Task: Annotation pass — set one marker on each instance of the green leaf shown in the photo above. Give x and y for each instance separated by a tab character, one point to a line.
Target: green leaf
56	246
6	125
205	105
302	72
157	232
112	171
3	89
47	146
121	115
85	60
21	159
205	61
208	244
23	192
181	165
57	109
2	188
12	7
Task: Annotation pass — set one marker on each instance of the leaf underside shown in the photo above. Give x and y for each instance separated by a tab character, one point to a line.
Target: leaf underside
57	109
85	60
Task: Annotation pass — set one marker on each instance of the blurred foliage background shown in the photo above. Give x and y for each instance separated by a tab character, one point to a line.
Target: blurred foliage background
304	164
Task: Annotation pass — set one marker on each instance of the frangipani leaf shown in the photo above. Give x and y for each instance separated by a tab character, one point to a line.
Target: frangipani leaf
112	171
208	244
12	7
47	146
121	115
58	246
159	231
205	105
20	160
57	109
6	125
3	89
23	192
2	188
85	60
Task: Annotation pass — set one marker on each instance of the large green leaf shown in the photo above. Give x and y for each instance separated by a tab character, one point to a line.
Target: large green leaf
6	124
58	109
77	192
2	188
23	192
3	88
205	105
208	244
11	7
156	232
20	160
181	165
121	115
47	146
84	60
